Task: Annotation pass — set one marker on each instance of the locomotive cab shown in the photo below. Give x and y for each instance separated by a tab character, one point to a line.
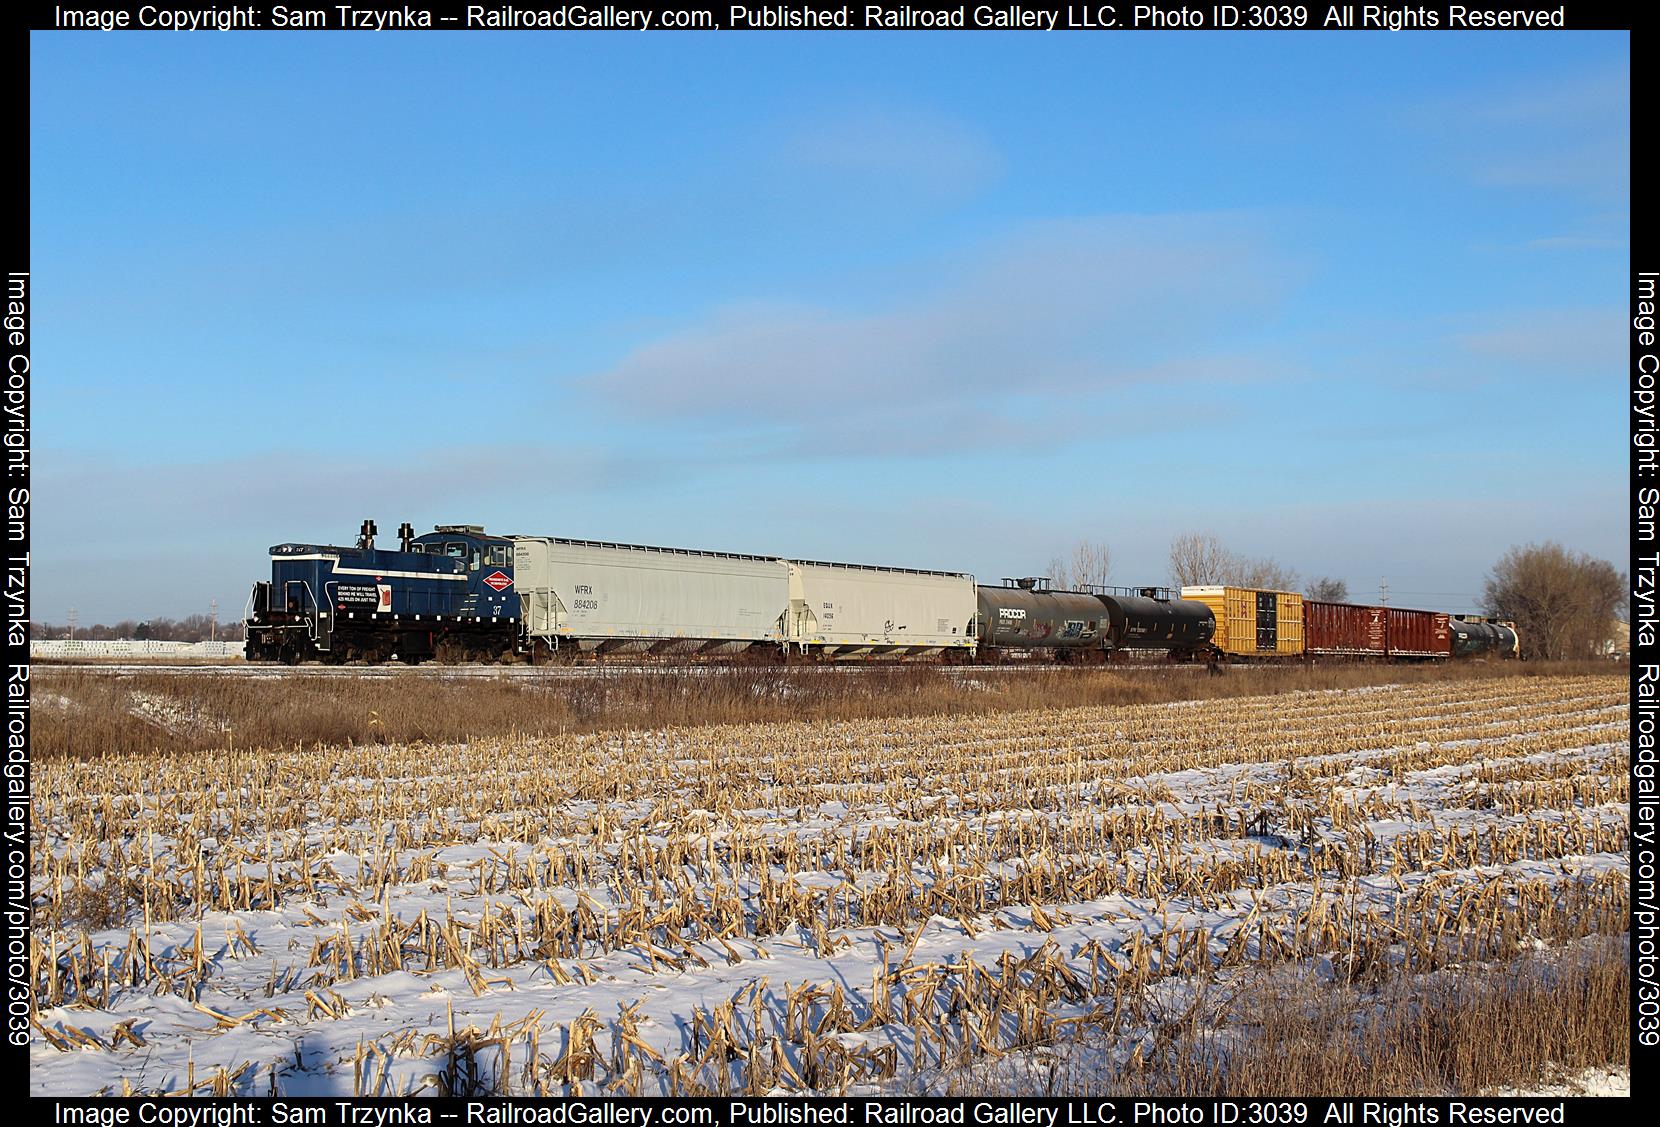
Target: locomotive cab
485	561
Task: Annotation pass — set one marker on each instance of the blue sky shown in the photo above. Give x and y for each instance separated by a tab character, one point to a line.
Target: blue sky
1354	301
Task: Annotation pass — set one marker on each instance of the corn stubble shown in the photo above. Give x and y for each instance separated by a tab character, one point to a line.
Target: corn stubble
891	904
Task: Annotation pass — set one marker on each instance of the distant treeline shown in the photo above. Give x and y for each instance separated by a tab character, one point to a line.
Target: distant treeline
195	628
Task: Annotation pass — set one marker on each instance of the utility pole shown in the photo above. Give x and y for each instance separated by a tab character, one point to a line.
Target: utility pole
71	624
1383	591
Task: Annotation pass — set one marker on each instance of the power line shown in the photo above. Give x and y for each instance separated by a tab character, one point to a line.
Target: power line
1445	595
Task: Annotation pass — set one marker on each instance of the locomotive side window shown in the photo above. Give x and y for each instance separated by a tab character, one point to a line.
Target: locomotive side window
472	562
455	551
498	556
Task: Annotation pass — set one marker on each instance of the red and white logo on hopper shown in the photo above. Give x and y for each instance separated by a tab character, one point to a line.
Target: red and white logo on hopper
499	581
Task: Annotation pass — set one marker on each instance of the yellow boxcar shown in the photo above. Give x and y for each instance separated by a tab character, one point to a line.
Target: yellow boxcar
1252	623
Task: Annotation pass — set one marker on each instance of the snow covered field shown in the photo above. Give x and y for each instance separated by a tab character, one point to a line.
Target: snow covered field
858	906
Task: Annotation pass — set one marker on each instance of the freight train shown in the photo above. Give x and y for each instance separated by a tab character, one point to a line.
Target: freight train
460	594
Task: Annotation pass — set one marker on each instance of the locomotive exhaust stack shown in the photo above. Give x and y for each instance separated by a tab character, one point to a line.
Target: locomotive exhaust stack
366	534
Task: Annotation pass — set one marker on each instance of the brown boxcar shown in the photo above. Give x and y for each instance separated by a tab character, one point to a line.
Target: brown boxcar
1419	633
1345	629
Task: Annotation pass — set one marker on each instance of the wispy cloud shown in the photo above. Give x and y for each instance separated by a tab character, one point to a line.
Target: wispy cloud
1566	102
1053	312
173	534
1568	134
119	501
919	149
1574	242
1551	341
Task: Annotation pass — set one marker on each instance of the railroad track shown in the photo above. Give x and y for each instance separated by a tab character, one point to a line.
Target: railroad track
544	672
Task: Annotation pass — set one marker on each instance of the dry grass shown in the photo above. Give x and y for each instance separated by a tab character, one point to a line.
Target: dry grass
1386	837
80	712
1293	1032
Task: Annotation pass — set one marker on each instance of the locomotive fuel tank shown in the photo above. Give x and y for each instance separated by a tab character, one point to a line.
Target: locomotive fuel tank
1147	622
1028	617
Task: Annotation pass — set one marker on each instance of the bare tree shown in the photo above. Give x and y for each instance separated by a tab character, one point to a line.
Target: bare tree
1091	563
195	628
1563	603
1266	574
1328	590
1198	559
1059	574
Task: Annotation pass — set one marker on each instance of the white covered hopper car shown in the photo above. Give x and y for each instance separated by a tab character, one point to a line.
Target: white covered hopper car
599	597
630	598
849	610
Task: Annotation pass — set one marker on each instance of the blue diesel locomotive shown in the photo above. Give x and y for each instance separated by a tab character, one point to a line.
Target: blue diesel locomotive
447	595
